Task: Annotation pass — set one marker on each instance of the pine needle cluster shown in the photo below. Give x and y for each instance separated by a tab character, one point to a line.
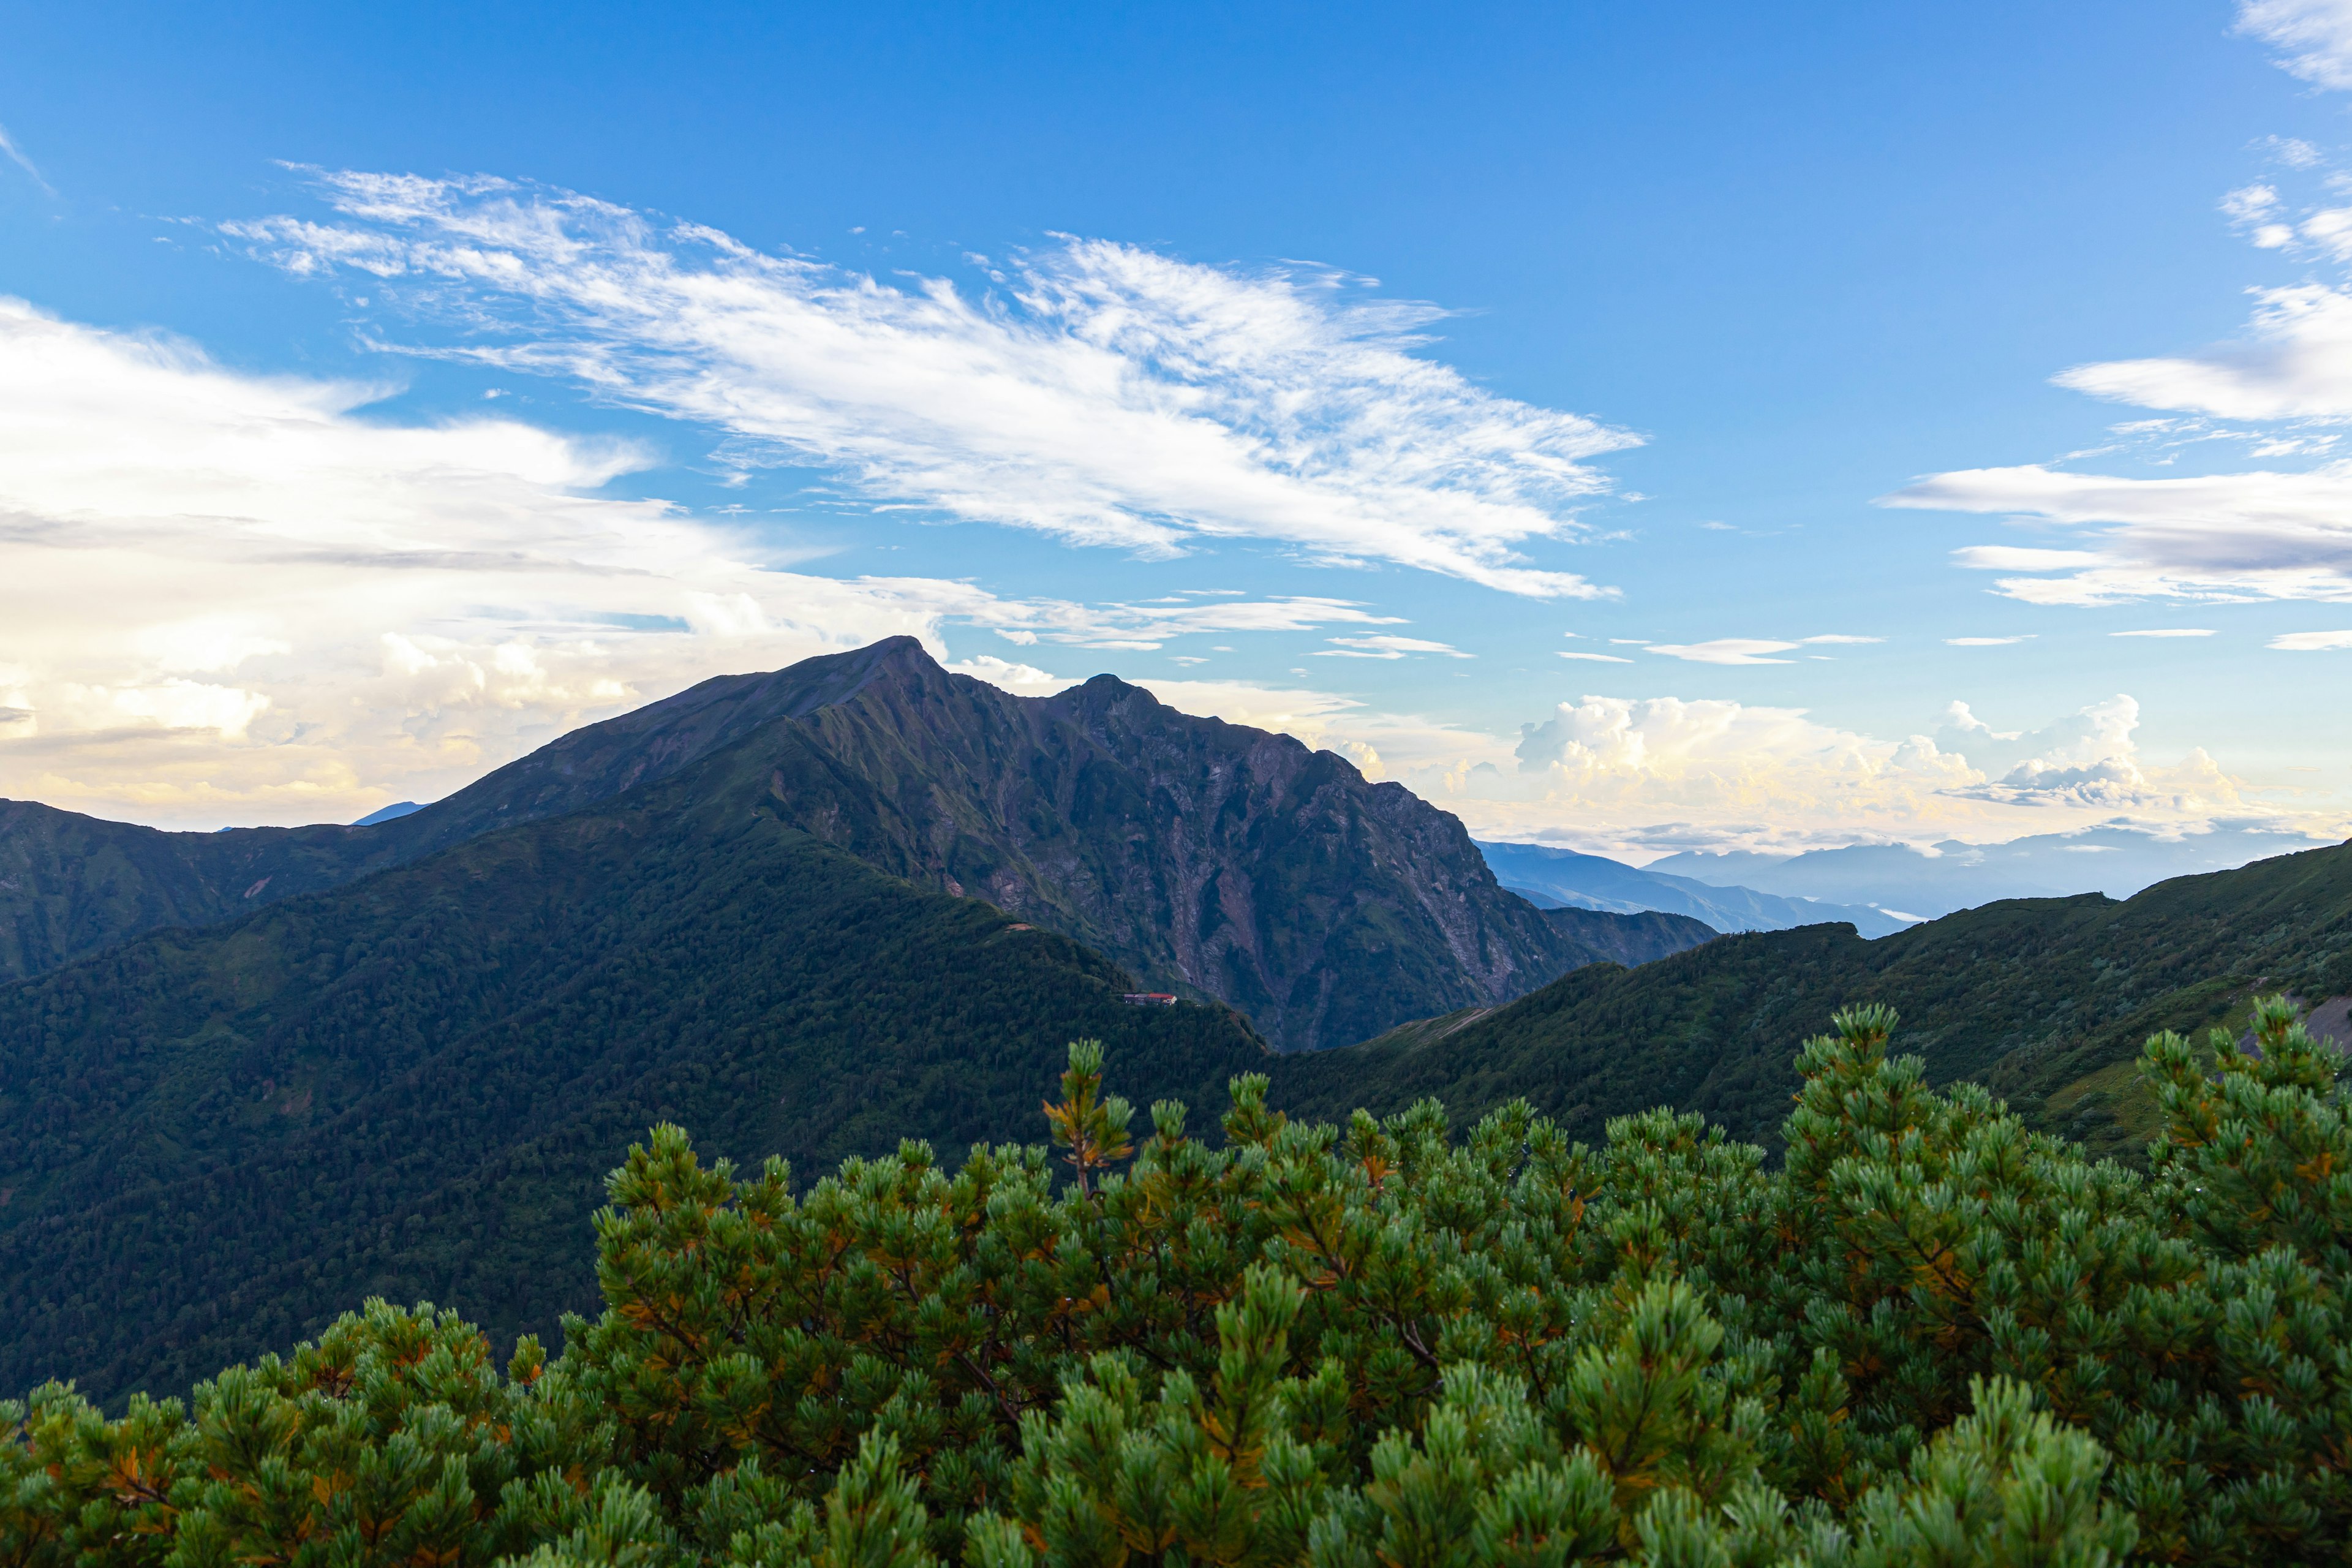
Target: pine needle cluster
1929	1336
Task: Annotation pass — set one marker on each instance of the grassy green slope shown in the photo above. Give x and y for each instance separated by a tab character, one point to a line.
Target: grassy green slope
210	1142
2040	998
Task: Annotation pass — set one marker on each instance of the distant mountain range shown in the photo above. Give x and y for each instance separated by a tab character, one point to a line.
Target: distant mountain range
2117	861
1554	877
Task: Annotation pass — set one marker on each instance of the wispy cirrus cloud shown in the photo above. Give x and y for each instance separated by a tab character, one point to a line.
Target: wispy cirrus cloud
234	596
1102	394
1386	647
2314	38
2284	387
15	154
1746	650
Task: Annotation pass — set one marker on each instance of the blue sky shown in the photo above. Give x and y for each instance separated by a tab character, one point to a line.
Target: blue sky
390	392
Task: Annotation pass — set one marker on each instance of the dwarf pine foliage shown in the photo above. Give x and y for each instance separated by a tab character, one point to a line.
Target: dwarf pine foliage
1929	1337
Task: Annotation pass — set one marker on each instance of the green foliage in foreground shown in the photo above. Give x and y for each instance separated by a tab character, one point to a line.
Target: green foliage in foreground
1931	1336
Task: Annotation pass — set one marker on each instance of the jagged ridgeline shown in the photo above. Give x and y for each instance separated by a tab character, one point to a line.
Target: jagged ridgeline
1929	1337
1210	859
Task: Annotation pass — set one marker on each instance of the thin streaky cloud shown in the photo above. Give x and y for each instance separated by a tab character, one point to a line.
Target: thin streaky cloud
1988	642
1386	647
2216	538
2167	632
1750	651
1595	657
1107	395
1727	650
2312	642
16	155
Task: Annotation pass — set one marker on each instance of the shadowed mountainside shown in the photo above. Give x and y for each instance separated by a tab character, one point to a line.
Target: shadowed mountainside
212	1141
2044	1000
1213	859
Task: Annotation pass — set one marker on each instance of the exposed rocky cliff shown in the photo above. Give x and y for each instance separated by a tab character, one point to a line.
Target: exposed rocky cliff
1213	858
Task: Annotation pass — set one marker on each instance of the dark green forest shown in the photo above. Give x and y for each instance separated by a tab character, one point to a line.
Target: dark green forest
1928	1336
210	1142
2044	1000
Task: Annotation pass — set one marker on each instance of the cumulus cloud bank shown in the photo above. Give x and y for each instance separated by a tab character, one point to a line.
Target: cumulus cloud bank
1101	393
232	596
1664	773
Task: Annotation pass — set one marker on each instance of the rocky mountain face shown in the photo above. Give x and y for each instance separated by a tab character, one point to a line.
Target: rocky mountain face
1213	859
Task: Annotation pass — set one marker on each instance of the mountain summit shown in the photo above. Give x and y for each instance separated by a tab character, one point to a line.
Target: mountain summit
1212	859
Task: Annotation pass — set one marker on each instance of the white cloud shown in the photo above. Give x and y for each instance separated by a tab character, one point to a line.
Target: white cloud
2314	38
1385	647
2295	361
2312	642
1630	775
1746	650
1725	650
2220	537
1987	642
2167	632
15	154
2292	150
231	597
2265	534
1595	657
1618	771
1020	679
2251	204
1108	395
2087	759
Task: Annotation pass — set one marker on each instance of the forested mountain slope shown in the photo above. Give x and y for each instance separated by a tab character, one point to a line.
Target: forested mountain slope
72	885
1213	859
211	1140
2044	1000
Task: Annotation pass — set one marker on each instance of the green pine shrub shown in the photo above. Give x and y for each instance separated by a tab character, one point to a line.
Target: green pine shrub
1929	1336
